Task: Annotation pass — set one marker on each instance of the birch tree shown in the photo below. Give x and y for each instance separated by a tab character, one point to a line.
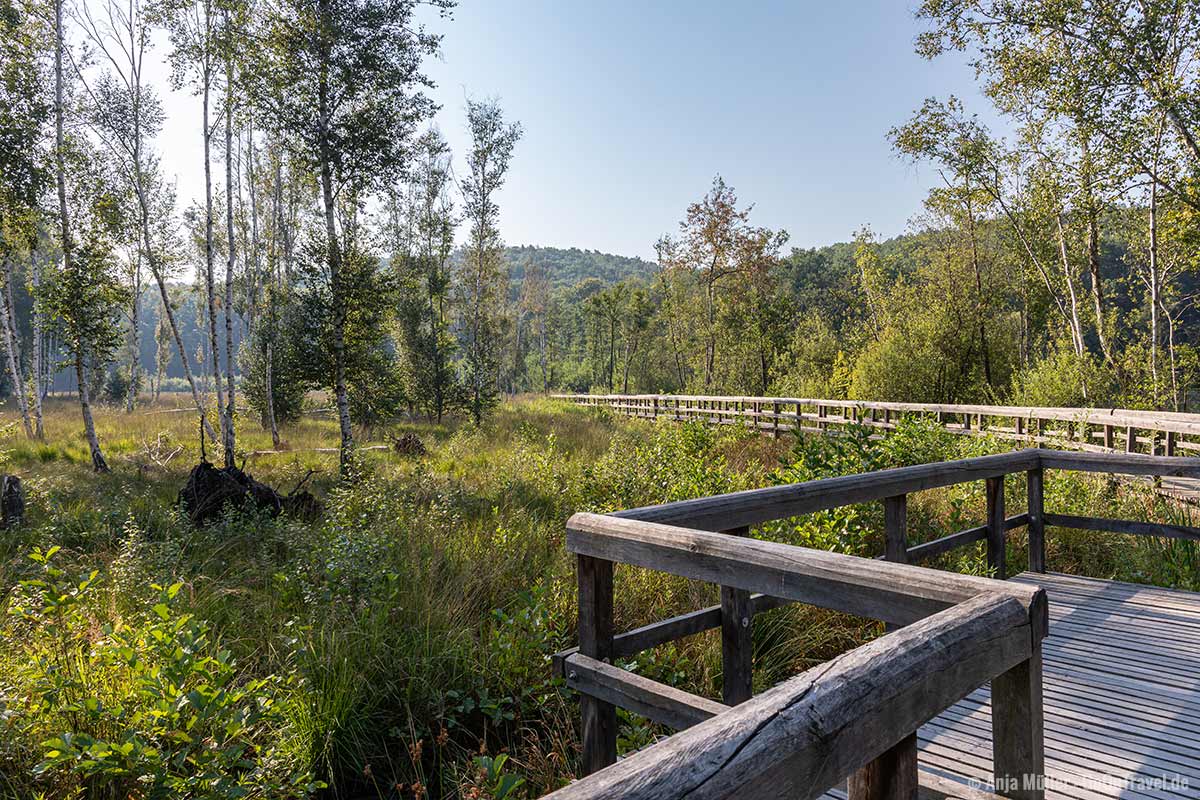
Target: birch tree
341	82
125	115
194	31
483	280
84	293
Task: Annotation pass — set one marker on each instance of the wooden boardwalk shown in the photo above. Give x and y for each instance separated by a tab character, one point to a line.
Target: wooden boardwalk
1093	684
1096	430
1121	672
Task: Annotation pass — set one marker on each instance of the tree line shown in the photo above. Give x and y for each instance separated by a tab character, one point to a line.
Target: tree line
338	247
1054	264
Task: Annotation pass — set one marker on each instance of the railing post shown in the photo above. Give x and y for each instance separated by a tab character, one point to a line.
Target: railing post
892	775
995	525
775	421
1108	437
1037	523
1170	443
737	641
596	640
895	528
1018	426
1130	440
1018	742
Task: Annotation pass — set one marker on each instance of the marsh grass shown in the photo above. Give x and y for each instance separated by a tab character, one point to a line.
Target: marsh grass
405	637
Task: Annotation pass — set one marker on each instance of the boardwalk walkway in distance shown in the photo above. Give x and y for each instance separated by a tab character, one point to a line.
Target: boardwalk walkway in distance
1093	430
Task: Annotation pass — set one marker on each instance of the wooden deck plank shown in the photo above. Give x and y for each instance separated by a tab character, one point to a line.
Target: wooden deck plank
1086	724
1122	695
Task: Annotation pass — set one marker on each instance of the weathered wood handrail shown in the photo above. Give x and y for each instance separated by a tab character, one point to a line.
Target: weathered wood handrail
774	744
961	631
897	593
805	735
1089	429
755	506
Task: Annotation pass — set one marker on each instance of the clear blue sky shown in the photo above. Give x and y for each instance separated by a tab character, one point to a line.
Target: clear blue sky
630	108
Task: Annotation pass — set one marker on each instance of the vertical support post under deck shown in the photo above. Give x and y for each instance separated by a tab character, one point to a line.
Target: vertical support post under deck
737	641
995	526
1018	741
596	640
1037	523
892	775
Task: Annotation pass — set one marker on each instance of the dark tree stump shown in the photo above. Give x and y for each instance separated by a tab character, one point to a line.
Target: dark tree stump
209	490
409	445
12	501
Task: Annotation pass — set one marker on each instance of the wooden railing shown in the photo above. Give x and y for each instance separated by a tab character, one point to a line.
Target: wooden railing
1088	429
852	719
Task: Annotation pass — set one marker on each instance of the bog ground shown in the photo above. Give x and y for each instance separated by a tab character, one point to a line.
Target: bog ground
399	645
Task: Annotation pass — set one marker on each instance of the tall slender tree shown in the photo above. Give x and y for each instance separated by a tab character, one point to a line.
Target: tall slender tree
125	115
24	117
341	81
423	222
195	31
483	281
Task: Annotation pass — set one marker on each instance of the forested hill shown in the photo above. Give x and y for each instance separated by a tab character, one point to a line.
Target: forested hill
567	267
564	269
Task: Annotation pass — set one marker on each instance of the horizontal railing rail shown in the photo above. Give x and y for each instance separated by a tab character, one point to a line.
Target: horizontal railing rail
855	717
1089	429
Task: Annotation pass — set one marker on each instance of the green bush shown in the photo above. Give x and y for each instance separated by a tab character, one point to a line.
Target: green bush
288	387
674	462
146	707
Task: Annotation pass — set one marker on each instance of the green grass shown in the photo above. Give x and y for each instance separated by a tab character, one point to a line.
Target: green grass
407	633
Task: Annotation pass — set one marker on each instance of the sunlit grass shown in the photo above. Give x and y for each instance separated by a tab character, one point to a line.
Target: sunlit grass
421	610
